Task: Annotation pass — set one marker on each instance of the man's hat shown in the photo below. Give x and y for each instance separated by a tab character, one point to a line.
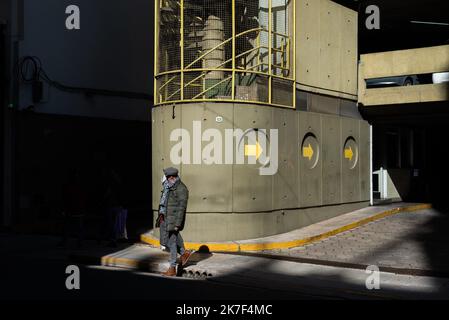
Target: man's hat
171	172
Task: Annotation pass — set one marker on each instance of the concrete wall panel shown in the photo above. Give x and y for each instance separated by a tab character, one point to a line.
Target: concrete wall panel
230	202
330	44
349	52
307	42
350	174
331	160
326	55
349	109
157	154
213	182
223	227
310	178
324	104
169	124
364	146
162	126
252	191
285	182
405	62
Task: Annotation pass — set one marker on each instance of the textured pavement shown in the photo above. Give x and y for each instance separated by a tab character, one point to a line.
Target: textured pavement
276	276
405	240
301	236
409	240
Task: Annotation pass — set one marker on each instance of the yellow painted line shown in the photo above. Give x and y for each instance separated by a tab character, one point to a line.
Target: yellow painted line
225	247
150	240
322	236
236	247
109	261
113	262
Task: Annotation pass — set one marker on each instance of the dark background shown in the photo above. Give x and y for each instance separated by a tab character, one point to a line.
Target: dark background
396	30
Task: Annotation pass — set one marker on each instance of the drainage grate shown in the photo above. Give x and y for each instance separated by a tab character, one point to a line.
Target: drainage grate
192	274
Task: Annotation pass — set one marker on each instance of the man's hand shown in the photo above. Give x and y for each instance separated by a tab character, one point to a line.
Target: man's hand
159	220
176	228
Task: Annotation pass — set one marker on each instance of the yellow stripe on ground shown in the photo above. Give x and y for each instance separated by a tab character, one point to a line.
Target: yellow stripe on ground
116	262
236	247
226	247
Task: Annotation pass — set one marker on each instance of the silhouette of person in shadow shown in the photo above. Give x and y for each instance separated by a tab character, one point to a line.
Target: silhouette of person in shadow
74	207
114	204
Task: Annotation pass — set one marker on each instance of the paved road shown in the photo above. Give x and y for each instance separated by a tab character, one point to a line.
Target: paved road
32	268
410	240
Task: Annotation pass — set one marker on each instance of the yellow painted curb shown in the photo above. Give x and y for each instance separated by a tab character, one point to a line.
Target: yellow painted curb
112	262
225	247
236	247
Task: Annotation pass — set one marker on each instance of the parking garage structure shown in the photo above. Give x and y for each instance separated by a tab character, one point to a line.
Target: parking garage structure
259	66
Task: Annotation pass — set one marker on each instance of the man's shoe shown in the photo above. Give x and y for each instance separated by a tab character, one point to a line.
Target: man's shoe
185	257
171	272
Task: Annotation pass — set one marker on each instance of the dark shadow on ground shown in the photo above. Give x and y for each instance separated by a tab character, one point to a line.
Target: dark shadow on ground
428	174
435	235
243	284
202	254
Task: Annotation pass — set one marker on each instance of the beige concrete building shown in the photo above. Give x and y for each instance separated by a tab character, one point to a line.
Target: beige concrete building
269	74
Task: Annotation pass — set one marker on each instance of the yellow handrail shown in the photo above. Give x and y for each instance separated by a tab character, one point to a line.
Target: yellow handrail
227	61
273	60
210	88
188	84
168	82
206	71
221	44
224	63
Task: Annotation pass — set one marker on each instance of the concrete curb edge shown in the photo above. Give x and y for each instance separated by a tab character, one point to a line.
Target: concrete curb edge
239	247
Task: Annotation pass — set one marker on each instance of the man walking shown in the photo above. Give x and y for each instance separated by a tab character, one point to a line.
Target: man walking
171	219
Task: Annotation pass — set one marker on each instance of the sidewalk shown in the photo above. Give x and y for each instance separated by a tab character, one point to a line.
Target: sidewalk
279	275
414	243
315	262
33	268
303	236
403	240
299	245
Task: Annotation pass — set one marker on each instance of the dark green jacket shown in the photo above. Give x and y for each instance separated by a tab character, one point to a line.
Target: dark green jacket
177	206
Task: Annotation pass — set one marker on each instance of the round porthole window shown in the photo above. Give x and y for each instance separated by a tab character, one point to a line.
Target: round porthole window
256	146
350	153
310	151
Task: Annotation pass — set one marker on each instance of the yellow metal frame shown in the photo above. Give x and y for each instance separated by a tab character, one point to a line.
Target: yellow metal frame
287	65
